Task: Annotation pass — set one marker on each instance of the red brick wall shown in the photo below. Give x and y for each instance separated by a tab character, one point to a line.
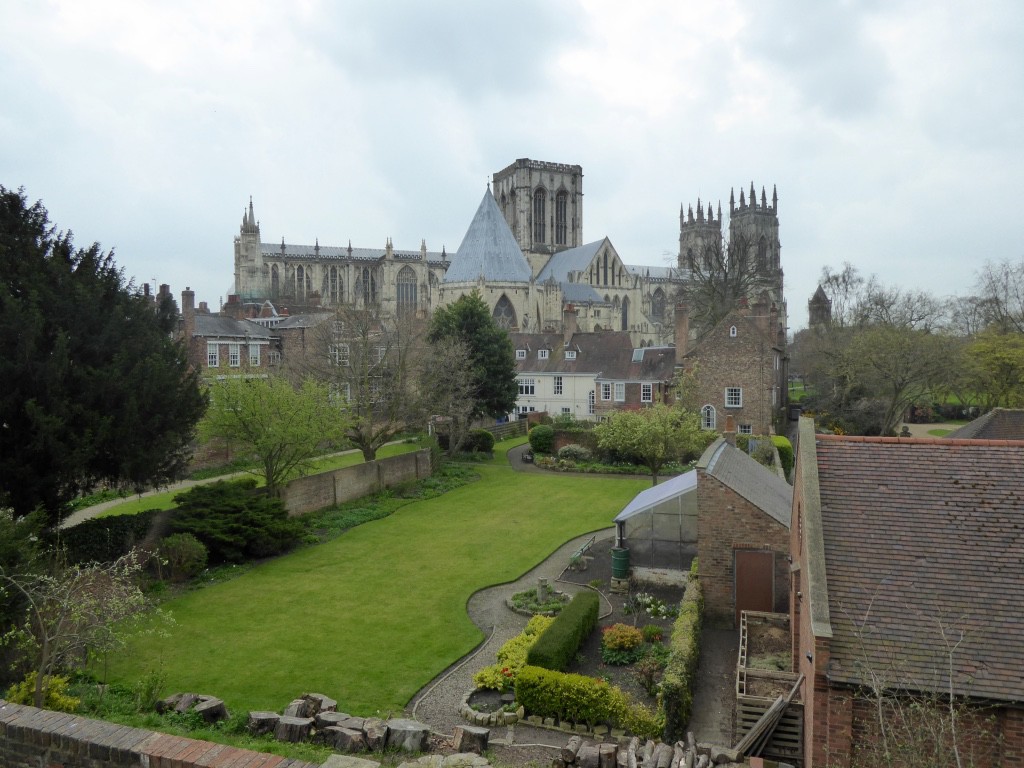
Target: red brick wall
726	522
30	738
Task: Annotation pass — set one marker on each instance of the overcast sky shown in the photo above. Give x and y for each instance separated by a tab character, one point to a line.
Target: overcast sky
892	130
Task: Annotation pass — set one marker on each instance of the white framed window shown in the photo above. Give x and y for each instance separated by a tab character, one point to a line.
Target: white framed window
527	386
732	332
620	391
520	354
212	355
274	357
646	393
590	401
234	355
606	391
570	354
707	417
733	397
746	429
558	385
542	354
338	354
254	355
523	409
566	409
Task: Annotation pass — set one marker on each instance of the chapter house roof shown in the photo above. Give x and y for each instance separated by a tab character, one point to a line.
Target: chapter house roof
924	550
489	249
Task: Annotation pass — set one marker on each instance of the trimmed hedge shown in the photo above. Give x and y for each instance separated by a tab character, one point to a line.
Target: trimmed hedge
582	699
557	646
681	672
104	539
542	437
785	449
480	440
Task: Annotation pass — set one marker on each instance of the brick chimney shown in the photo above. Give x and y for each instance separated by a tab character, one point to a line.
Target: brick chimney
682	330
188	313
568	323
729	433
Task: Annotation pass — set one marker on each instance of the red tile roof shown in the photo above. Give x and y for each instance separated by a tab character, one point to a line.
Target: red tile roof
924	538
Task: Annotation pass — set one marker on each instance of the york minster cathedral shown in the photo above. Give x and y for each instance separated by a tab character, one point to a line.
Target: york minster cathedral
524	252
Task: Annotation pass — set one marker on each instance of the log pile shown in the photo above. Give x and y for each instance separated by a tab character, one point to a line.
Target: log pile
579	753
211	708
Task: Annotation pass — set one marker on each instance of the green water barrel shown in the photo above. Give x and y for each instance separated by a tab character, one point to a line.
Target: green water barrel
620	563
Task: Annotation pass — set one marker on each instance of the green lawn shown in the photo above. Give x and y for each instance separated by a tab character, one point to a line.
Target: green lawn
166	500
372	616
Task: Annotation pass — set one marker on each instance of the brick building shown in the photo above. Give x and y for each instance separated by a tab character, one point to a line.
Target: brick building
743	513
740	368
219	345
907	578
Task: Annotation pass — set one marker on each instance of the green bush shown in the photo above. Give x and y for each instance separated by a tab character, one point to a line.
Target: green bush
574	452
621	644
653	633
557	647
785	452
681	671
480	440
235	522
542	437
55	693
512	657
581	699
104	539
184	556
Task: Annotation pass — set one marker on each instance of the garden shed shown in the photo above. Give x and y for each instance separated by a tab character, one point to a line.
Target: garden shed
659	528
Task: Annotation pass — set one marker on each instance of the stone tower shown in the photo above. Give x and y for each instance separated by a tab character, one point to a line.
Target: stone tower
249	278
697	233
543	205
756	226
819	310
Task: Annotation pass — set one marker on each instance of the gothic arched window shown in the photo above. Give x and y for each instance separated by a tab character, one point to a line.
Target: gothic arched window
762	253
300	283
334	286
658	305
275	281
504	313
539	214
406	290
707	417
561	218
366	287
625	314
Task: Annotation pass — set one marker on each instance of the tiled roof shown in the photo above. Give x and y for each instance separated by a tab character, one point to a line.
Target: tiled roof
925	537
341	253
755	483
997	424
215	326
595	352
488	249
571	260
643	364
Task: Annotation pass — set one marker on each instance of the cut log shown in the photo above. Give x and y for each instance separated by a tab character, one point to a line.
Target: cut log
571	748
327	719
588	756
678	753
168	704
662	756
649	748
293	729
606	755
262	722
298	708
344	739
407	735
634	745
186	702
376	731
318	703
470	738
212	709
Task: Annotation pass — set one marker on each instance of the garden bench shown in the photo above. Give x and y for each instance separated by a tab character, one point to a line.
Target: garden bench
577	561
527	457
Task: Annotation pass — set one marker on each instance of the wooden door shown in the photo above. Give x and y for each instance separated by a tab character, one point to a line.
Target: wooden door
754	581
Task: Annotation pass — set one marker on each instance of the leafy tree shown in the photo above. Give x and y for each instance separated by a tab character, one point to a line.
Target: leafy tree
491	355
75	611
235	522
94	387
993	368
653	436
281	426
368	359
447	389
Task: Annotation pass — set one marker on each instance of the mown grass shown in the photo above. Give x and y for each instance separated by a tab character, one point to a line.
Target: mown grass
373	615
165	500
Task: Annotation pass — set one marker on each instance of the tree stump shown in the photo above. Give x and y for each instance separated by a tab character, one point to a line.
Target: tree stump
262	722
470	738
606	755
299	708
376	731
212	709
326	719
662	756
293	728
571	748
588	756
186	702
344	739
407	735
166	705
318	703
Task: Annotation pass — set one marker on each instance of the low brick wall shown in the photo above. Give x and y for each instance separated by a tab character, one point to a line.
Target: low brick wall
30	738
315	492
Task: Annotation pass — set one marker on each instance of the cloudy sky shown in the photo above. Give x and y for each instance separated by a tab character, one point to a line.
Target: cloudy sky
892	130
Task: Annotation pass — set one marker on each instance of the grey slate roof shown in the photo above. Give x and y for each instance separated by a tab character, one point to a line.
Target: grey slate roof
488	249
595	352
341	253
306	320
761	487
572	260
643	364
997	424
215	326
581	293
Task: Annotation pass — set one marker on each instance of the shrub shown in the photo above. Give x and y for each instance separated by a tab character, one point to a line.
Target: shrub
764	454
56	693
542	437
512	657
557	647
785	452
184	554
574	452
681	671
235	522
480	440
653	633
104	539
582	699
527	601
621	644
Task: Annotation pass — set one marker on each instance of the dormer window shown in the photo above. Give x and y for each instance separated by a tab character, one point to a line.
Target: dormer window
570	354
520	354
542	354
732	332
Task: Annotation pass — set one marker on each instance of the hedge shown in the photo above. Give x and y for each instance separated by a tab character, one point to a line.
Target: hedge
582	699
542	438
557	647
785	452
105	539
681	671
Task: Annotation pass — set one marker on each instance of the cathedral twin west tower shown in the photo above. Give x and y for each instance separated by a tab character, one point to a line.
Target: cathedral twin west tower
524	253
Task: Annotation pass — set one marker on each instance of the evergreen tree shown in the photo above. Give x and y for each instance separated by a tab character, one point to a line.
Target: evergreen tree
95	389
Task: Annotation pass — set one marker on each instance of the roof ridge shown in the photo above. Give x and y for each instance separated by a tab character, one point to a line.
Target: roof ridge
920	440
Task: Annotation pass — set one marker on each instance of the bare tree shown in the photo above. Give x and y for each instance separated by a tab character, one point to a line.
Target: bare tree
446	389
1001	290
